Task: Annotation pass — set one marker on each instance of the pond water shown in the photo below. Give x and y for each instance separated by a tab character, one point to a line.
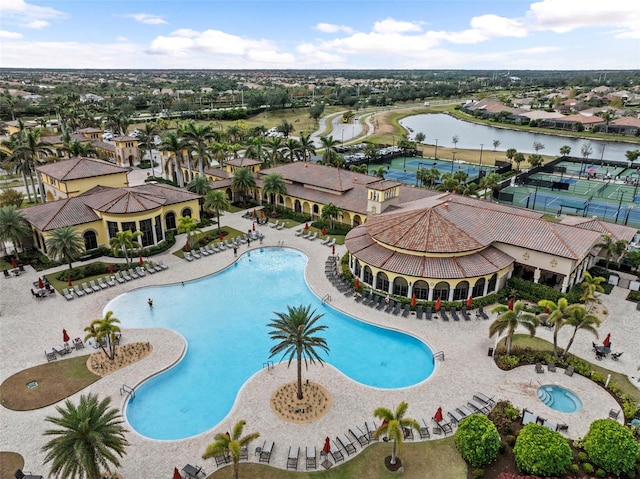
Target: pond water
471	135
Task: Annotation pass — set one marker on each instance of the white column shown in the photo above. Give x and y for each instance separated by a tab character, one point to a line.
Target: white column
536	275
486	287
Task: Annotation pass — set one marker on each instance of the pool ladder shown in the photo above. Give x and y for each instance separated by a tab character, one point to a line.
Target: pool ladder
268	365
326	298
128	391
439	355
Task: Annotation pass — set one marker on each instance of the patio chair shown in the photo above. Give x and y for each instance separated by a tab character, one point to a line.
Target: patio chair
162	265
119	277
419	312
370	427
19	474
133	274
332	242
569	371
94	286
281	226
614	413
390	306
292	458
37	295
314	237
347	445
149	268
465	314
428	313
485	399
187	255
326	240
396	309
381	304
528	417
140	271
311	458
454	314
126	276
562	427
244	453
443	313
265	452
424	429
86	289
299	232
102	284
195	254
539	368
464	410
274	224
193	472
50	355
407	432
479	407
212	249
455	416
359	435
406	311
77	343
444	426
482	314
551	367
78	291
616	356
306	235
61	350
336	454
222	459
67	294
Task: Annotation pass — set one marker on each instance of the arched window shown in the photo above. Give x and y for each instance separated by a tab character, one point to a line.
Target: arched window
400	286
492	283
186	212
461	292
382	281
281	199
478	289
297	207
316	210
367	276
421	290
357	268
170	220
441	291
90	240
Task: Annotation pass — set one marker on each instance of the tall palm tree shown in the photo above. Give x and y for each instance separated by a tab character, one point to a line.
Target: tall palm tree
199	185
172	143
188	225
147	141
103	332
66	243
31	149
565	150
77	148
393	426
293	147
13	227
509	319
273	185
88	438
330	155
580	319
198	138
307	147
255	149
243	181
557	316
126	242
296	332
216	201
590	286
275	145
231	444
330	212
611	247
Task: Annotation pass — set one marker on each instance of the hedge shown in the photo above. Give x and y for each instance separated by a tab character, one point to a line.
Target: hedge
477	439
541	451
611	446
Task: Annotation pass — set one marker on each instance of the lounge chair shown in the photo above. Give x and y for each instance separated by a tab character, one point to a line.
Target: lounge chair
244	453
126	276
406	311
614	413
336	454
396	309
485	399
242	239
464	410
119	277
212	249
281	226
162	265
149	268
140	271
299	232
292	458
332	242
193	472
274	224
381	304
444	426
86	289
94	286
78	291
370	427
222	459
19	474
465	314
229	244
133	274
562	427
551	367
443	313
569	371
110	280
407	432
424	429
50	354
346	444
454	314
265	453
428	313
390	306
195	254
311	456
61	350
360	436
419	311
528	417
306	235
550	425
326	240
455	416
482	314
77	343
187	255
102	284
479	407
539	368
314	237
67	294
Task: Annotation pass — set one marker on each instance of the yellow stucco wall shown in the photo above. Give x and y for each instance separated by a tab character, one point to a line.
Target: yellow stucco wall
72	188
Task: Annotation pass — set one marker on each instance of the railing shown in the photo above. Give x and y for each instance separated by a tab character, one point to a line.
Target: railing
128	391
268	365
326	298
439	355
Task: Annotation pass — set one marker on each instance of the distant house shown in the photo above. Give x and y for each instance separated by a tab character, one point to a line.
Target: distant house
570	122
627	125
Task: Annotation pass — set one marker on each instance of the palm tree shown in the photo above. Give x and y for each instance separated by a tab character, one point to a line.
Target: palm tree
30	149
293	147
77	148
307	147
243	181
509	320
255	149
89	437
330	212
198	137
565	150
579	318
231	444
330	155
535	160
125	241
590	286
511	152
295	332
275	144
518	158
103	332
448	183
13	227
216	201
188	225
556	314
272	185
428	176
199	185
372	151
147	141
173	144
608	246
393	426
65	243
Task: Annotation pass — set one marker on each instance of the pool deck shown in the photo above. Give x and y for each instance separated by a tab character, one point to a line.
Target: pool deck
29	326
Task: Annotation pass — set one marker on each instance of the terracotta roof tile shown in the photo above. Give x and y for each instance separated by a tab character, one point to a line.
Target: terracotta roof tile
79	167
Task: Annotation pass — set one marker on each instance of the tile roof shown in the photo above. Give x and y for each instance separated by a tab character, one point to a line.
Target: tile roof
79	167
217	172
82	209
616	231
124	138
243	162
321	176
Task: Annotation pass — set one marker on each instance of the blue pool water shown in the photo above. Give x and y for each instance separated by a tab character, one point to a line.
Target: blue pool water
223	318
559	398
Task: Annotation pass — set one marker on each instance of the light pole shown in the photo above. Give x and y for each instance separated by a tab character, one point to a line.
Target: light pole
629	210
481	145
435	155
619	207
453	160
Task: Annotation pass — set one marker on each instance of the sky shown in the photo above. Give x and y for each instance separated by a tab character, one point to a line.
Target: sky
321	34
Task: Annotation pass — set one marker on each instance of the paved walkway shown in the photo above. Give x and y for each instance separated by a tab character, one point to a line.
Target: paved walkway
28	326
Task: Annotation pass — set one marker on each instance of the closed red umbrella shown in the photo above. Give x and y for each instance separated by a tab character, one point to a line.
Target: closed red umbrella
14	264
261	214
413	299
438	415
357	285
220	236
255	214
69	282
607	341
327	446
546	310
306	226
187	247
469	302
333	249
324	231
438	304
40	283
510	306
141	261
65	336
176	473
253	226
110	269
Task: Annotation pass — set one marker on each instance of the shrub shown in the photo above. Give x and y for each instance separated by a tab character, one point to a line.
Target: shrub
478	473
477	439
501	418
574	468
611	446
539	450
600	473
582	456
587	468
511	440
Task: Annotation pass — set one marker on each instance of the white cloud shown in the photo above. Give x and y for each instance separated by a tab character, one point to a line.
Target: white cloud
186	42
147	18
562	16
390	25
25	12
37	24
331	28
122	39
8	34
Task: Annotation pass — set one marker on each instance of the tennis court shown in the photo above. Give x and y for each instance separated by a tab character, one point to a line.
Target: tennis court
599	171
405	169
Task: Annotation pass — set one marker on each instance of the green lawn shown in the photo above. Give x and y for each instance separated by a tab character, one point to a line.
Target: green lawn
438	459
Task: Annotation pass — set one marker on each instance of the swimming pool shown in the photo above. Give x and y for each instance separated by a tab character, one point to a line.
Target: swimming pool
223	318
559	398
